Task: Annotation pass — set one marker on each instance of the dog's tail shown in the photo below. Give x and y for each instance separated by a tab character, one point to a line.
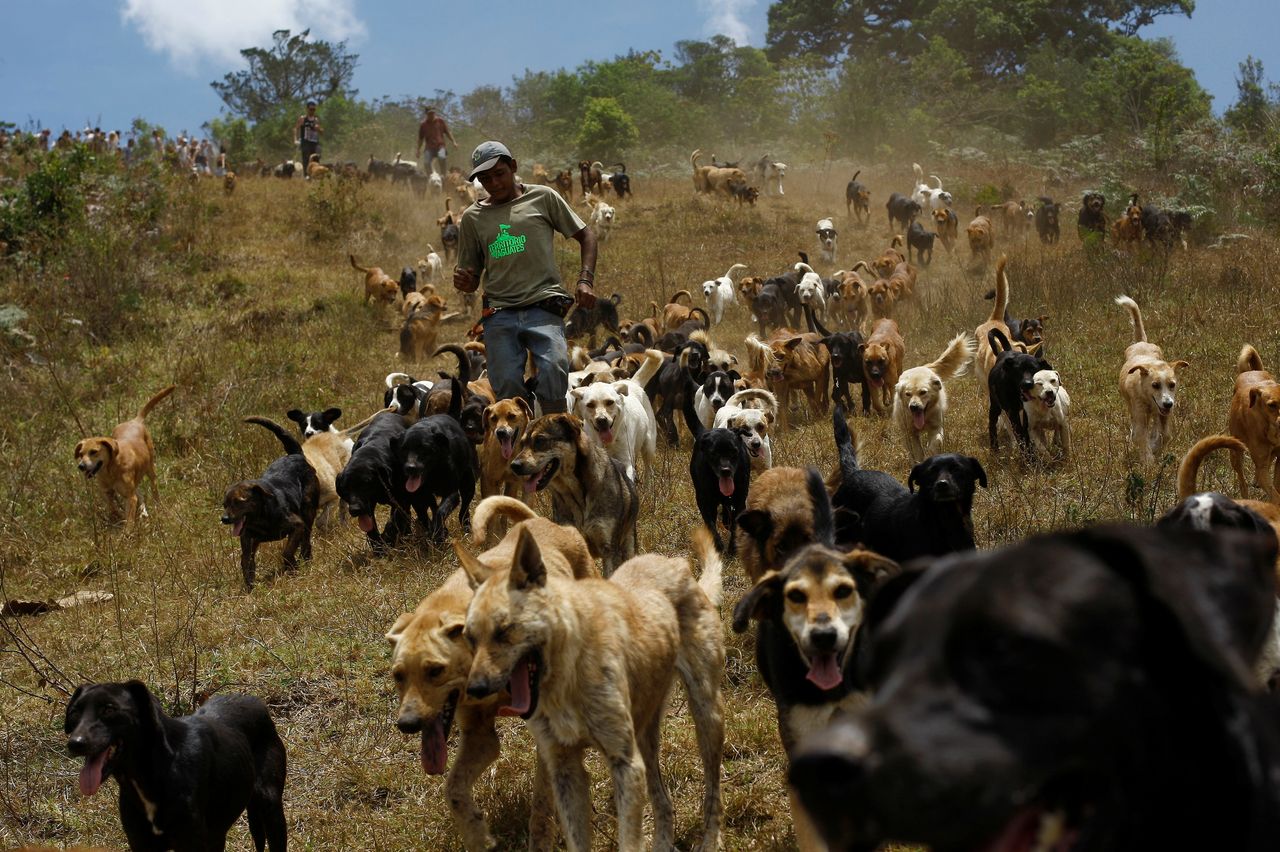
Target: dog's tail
1135	318
804	257
457	390
642	334
919	173
1189	469
755	395
734	271
1002	290
814	325
846	443
691	418
803	267
896	242
938	181
356	265
1249	360
394	379
653	359
855	175
824	525
654	309
464	363
995	336
508	508
291	445
957	357
758	354
712	579
430	248
706	318
151	403
693	158
675	298
866	267
352	430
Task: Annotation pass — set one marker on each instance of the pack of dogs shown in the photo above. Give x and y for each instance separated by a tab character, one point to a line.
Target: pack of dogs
927	692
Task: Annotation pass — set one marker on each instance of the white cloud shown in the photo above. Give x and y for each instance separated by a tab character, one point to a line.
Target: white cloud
218	31
724	17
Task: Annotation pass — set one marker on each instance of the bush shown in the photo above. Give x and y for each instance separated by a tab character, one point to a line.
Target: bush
607	132
333	208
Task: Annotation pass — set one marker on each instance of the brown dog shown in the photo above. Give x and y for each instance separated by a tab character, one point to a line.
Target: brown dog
1013	217
777	522
675	312
981	237
431	660
798	362
563	182
421	327
315	171
1148	384
505	422
882	356
889	258
848	304
229	182
120	462
377	284
1128	228
947	227
1255	421
986	358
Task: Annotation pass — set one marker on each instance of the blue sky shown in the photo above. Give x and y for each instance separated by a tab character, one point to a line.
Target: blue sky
103	62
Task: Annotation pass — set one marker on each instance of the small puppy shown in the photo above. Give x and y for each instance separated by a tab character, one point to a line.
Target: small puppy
981	237
1255	420
1148	385
719	292
378	285
183	782
282	503
1047	408
882	356
750	413
857	200
827	240
120	462
920	398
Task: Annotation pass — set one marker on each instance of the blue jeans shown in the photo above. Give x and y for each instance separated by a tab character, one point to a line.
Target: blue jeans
508	335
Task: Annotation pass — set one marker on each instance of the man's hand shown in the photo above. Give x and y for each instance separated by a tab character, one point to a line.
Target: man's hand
467	281
586	295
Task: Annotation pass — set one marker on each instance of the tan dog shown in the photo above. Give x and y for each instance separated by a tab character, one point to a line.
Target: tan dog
798	362
504	423
981	237
431	661
986	358
748	289
421	327
920	398
563	182
713	179
591	663
1127	230
377	284
1148	385
882	298
1255	420
848	303
120	462
327	453
889	258
675	313
946	225
315	171
882	356
1013	217
777	521
229	182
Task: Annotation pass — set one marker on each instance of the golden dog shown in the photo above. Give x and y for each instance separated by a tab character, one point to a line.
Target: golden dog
504	423
120	462
377	284
421	327
889	258
920	398
431	661
1255	420
981	237
986	358
1148	384
777	521
882	356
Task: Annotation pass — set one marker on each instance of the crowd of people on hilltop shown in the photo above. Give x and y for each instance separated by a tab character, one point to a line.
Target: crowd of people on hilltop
186	152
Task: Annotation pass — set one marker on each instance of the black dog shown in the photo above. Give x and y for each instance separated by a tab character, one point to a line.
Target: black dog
1010	381
902	523
922	241
1213	511
1091	223
1049	690
743	193
1165	227
585	321
315	422
442	397
183	782
284	170
856	200
845	349
720	468
373	477
621	182
405	397
408	281
901	209
1047	220
282	503
675	383
437	459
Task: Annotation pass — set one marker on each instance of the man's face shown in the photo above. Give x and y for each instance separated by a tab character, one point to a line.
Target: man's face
311	110
499	182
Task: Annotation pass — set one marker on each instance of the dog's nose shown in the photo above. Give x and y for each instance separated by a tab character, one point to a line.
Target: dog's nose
409	723
823	638
78	746
945	489
1166	404
227	519
480	688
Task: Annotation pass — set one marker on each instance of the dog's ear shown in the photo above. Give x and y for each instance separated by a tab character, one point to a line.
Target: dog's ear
486	416
975	467
296	416
80	447
523	405
793	342
263	490
869	569
330	415
1180	364
68	721
1043	318
1254	393
527	568
622	388
762	601
757	523
150	716
477	572
393	635
1139	369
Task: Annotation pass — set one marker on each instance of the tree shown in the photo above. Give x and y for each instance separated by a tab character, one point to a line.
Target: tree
293	69
1251	113
607	132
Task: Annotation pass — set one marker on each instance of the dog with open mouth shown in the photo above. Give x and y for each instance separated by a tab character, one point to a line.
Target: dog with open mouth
808	612
431	661
1077	691
920	398
1148	385
1010	384
438	461
120	463
183	781
589	488
750	413
591	663
720	468
619	416
881	355
504	423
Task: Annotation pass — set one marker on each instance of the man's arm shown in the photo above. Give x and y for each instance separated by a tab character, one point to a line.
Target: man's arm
585	291
297	130
449	133
422	138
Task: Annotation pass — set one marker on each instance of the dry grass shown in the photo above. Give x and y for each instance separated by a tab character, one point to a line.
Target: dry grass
261	320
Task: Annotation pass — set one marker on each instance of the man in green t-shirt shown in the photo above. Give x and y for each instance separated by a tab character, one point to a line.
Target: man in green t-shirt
508	241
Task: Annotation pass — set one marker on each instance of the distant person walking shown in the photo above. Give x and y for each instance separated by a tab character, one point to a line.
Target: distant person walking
306	134
431	134
509	238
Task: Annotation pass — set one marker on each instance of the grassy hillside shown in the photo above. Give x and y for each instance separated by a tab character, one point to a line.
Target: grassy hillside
253	309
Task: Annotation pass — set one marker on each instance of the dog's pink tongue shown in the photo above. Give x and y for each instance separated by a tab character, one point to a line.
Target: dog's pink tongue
507	445
917	418
365	522
91	773
726	486
521	694
237	527
412	484
435	749
606	436
531	483
824	673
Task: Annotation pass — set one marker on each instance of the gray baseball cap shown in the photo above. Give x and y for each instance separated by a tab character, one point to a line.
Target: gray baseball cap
485	157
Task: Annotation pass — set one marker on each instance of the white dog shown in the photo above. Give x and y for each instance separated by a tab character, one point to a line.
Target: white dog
1047	408
619	416
770	173
722	291
431	267
750	413
811	291
920	398
602	216
827	240
929	198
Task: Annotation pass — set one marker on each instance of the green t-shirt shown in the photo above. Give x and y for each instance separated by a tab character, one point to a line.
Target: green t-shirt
513	244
